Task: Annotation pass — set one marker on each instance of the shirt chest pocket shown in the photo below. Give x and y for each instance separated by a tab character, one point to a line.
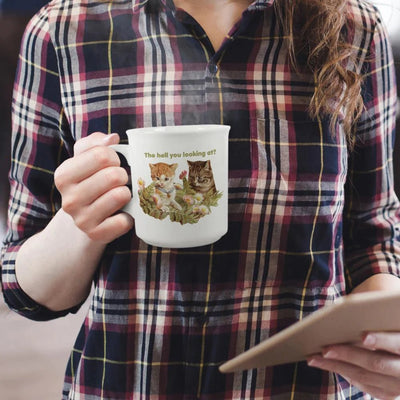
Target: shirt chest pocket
285	167
302	155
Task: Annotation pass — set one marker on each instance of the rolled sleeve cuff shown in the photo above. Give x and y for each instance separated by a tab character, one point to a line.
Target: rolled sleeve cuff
379	259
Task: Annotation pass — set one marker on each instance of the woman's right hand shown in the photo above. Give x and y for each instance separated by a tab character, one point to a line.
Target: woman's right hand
93	188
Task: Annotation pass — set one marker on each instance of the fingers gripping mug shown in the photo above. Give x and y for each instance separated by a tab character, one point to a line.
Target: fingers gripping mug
179	183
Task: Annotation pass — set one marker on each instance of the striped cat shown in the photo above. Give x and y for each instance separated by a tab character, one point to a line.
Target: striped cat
201	178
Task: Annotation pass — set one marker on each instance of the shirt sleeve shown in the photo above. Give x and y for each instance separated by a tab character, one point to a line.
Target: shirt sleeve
41	140
371	214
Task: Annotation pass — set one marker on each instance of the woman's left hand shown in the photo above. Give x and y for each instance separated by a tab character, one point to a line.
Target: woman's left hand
373	366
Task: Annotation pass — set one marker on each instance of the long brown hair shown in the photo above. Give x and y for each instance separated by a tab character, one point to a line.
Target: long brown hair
316	38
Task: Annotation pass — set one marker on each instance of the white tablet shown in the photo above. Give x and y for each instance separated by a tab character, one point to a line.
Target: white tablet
345	321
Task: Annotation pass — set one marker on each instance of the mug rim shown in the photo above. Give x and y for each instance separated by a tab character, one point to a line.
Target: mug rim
178	129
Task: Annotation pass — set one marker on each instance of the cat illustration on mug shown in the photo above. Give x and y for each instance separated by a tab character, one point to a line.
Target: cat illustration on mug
184	202
201	178
163	176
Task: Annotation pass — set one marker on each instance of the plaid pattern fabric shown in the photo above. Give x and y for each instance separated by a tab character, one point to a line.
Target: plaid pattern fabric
161	321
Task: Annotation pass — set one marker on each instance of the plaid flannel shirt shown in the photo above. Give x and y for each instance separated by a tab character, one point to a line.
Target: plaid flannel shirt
308	220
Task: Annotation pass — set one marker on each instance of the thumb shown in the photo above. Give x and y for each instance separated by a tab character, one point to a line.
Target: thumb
93	140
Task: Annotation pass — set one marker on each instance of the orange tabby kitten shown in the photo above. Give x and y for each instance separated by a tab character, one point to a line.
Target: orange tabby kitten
163	177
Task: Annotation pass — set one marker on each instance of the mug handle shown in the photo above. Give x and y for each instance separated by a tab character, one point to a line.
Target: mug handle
124	150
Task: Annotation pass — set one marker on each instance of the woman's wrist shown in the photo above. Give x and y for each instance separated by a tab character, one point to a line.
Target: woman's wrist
55	267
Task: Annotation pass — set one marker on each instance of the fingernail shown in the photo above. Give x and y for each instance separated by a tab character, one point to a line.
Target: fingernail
369	340
330	354
111	137
314	362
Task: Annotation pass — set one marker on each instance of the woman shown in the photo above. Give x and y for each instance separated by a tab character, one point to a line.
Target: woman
308	89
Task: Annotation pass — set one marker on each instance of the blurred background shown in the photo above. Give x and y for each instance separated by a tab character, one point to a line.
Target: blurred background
33	355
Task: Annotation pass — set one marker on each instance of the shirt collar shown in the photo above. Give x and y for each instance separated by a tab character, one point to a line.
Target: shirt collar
256	5
137	4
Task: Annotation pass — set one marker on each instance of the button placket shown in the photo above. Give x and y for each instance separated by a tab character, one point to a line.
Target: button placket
212	68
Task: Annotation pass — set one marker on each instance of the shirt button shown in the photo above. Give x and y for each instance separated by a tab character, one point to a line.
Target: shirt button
213	68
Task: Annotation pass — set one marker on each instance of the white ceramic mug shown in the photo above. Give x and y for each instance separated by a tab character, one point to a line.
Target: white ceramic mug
179	183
